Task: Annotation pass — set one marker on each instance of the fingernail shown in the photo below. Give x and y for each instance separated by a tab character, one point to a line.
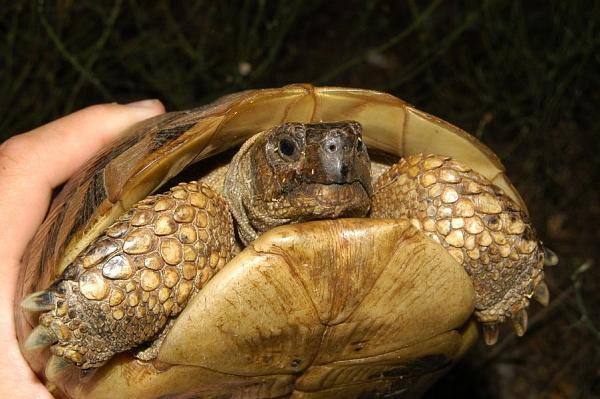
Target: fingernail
152	103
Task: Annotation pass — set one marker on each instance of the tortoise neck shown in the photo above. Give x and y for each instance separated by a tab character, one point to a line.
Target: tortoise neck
237	189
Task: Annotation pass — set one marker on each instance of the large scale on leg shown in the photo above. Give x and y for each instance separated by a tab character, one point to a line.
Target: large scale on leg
370	306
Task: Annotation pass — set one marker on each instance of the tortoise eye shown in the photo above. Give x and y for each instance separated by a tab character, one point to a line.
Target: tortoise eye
287	147
359	144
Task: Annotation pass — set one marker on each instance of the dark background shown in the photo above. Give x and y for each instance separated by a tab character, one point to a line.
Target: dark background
523	76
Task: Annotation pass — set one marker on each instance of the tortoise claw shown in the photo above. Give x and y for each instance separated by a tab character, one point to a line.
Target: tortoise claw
519	322
542	294
550	258
40	337
56	366
490	333
40	301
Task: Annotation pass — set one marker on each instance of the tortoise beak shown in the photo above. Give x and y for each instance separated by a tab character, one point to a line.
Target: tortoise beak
335	154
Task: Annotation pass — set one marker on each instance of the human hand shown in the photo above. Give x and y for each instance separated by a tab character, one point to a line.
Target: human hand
31	165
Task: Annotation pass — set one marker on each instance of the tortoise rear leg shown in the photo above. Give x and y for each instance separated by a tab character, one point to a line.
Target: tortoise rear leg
122	290
479	225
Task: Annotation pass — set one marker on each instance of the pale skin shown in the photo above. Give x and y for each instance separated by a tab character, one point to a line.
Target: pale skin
31	166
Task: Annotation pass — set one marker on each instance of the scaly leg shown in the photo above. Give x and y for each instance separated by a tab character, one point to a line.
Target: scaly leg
481	227
125	287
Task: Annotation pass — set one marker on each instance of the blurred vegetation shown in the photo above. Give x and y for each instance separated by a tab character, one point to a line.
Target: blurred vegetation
524	76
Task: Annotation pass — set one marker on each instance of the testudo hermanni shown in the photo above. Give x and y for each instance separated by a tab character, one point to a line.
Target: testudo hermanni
196	292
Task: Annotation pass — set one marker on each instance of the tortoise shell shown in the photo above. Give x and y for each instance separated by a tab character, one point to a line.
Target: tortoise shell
343	308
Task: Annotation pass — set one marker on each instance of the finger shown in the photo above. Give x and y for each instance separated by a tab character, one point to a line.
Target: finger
58	149
33	163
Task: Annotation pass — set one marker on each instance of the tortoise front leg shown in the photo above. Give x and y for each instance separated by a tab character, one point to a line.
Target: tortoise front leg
126	286
480	226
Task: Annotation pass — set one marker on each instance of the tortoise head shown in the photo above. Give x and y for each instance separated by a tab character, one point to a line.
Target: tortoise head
296	172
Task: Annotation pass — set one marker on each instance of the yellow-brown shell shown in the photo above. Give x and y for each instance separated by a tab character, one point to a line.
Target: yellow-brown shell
301	327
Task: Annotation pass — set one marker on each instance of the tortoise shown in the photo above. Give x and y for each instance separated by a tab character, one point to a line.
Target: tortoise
227	285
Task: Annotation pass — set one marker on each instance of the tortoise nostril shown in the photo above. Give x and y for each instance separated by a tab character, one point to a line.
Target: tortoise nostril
344	170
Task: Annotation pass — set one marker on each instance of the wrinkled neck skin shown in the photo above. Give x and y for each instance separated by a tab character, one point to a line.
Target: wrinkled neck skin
238	190
252	214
